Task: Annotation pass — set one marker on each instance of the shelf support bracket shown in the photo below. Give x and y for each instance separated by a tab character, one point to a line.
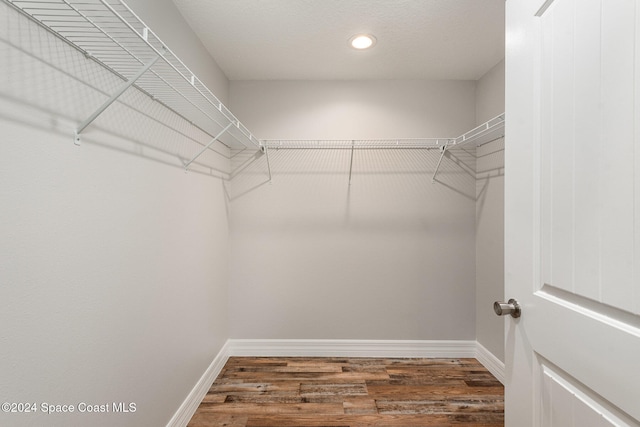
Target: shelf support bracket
126	85
351	162
265	150
443	150
206	147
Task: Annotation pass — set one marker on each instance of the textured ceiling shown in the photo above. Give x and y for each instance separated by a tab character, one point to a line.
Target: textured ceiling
307	39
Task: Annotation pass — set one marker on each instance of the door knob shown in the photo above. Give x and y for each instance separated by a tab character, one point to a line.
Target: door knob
503	308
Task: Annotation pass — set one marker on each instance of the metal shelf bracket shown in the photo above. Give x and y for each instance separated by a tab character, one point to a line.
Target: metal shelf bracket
443	150
265	150
206	147
351	162
126	85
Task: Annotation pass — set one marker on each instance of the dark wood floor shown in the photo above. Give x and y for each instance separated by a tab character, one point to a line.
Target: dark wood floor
253	392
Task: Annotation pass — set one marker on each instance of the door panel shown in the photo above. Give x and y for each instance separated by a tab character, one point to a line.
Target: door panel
567	403
587	148
572	212
587	195
618	38
597	350
636	92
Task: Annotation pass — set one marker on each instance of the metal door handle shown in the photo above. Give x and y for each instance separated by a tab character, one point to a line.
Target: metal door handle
503	308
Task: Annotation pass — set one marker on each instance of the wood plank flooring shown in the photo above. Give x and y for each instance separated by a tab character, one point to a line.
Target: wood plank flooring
348	392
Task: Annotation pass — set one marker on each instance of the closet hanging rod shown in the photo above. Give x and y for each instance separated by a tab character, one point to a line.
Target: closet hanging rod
110	33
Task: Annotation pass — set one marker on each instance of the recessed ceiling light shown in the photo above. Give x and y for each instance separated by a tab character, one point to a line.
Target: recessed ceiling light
362	41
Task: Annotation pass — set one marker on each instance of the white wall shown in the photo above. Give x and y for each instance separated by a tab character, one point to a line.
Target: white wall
490	216
114	261
389	257
354	109
490	94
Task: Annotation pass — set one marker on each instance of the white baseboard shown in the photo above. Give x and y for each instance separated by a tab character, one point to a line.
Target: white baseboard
491	362
184	413
352	348
333	348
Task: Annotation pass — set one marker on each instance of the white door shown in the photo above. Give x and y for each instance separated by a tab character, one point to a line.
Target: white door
572	219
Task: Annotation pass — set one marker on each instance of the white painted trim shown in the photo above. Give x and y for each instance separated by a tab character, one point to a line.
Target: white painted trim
352	348
184	413
491	362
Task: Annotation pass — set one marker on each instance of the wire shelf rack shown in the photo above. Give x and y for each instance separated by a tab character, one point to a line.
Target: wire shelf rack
424	143
489	131
486	132
110	33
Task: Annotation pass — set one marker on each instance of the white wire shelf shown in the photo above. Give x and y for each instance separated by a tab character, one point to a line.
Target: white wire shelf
348	144
486	132
110	33
489	131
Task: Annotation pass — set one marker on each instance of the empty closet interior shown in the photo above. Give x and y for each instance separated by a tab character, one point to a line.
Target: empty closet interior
153	209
